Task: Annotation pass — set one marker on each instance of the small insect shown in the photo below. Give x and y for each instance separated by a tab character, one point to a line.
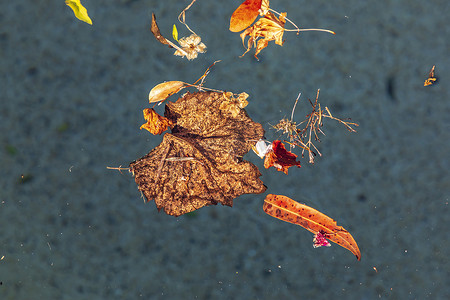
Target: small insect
431	78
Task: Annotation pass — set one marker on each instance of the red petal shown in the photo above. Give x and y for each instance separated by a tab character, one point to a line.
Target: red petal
280	158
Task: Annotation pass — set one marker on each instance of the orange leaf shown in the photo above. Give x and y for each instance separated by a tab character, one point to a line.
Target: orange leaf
155	123
244	15
280	158
286	209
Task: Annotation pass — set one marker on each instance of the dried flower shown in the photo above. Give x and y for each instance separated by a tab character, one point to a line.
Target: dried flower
191	46
269	27
233	104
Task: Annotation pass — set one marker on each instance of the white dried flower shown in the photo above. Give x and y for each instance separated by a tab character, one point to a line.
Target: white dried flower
192	46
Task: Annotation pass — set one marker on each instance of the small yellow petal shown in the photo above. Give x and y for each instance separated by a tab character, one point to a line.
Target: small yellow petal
79	10
175	32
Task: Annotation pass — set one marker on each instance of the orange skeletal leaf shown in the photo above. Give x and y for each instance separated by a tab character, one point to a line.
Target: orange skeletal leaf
280	158
244	15
286	209
269	27
163	90
155	123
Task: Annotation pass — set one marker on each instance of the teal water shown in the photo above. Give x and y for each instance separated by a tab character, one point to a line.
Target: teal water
71	104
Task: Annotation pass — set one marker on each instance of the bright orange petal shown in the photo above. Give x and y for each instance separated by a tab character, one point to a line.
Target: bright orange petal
244	15
156	124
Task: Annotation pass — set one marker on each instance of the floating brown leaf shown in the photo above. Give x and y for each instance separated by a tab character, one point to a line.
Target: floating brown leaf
155	123
286	209
200	163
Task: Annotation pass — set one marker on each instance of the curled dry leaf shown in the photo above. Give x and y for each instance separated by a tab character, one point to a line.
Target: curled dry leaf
200	163
280	158
234	104
155	30
156	124
244	15
164	90
269	28
286	209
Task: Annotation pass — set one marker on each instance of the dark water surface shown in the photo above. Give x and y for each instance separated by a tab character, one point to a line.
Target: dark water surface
71	104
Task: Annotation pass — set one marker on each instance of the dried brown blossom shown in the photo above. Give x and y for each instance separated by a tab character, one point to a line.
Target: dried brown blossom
269	28
234	104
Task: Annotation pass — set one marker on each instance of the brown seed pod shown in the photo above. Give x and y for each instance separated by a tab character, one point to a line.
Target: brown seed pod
164	90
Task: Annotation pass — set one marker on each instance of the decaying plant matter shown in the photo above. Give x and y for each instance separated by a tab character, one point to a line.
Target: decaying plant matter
190	46
155	123
280	158
303	136
200	163
432	79
323	227
267	28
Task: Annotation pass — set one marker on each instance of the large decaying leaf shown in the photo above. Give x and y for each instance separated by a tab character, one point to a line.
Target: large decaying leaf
79	10
321	225
200	163
244	15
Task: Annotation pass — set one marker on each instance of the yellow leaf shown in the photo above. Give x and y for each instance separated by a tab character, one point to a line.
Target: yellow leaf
175	33
79	10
